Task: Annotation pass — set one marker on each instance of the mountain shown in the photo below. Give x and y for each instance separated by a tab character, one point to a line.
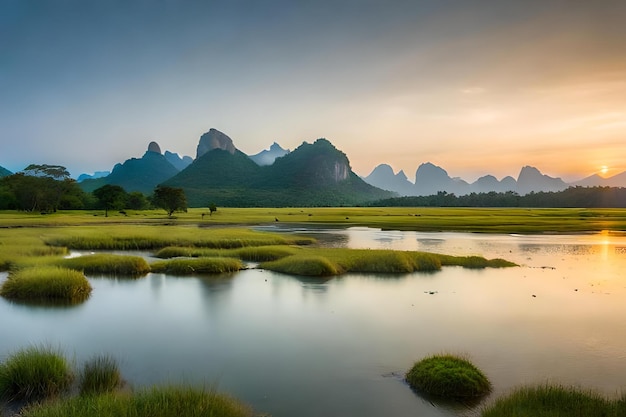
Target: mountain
95	175
595	180
531	179
383	177
430	179
179	162
137	174
490	183
312	175
4	172
268	156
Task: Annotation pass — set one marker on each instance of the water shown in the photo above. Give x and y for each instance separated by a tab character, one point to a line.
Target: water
339	347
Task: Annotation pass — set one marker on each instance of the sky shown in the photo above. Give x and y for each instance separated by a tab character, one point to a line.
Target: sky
477	87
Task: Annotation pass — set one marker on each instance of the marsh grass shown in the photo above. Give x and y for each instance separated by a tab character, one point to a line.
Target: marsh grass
335	261
46	284
34	373
172	401
197	266
107	264
100	374
141	237
555	401
448	377
250	253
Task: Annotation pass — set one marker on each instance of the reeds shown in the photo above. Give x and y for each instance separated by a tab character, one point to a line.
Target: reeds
448	377
555	401
100	374
34	373
46	284
197	266
171	401
107	264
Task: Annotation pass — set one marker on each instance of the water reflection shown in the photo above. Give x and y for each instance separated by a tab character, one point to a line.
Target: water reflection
283	343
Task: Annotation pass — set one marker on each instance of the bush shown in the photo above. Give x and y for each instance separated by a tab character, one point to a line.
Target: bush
156	402
555	401
100	374
448	377
197	266
46	283
34	373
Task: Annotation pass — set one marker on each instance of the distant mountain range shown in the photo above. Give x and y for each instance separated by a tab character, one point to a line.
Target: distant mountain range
431	179
314	174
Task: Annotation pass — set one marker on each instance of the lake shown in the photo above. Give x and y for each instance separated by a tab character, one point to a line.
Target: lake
340	347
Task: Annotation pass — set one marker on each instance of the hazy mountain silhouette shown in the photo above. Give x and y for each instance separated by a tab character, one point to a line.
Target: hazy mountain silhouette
179	162
137	174
311	175
268	156
95	175
4	172
595	180
531	179
431	179
383	177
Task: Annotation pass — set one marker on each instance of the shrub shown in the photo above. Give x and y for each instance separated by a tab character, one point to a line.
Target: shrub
554	401
197	266
46	283
34	373
448	377
157	402
100	374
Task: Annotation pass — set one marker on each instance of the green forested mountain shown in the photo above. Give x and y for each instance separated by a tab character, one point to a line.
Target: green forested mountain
312	175
136	174
4	172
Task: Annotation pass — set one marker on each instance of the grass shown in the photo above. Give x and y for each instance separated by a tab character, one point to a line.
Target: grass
100	374
172	401
107	264
34	373
197	266
252	253
555	401
46	284
487	220
142	237
448	377
335	261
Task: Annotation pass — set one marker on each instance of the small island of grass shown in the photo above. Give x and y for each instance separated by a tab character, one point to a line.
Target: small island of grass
46	284
448	377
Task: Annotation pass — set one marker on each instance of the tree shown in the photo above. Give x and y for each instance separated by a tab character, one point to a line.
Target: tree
110	197
56	172
170	199
137	201
212	208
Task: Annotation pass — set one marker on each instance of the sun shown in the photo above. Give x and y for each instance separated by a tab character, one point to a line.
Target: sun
604	169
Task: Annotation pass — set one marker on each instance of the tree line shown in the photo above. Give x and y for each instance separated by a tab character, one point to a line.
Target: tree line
584	197
48	188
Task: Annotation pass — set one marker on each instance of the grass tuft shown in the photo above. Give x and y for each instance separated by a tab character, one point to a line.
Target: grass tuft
34	373
305	265
46	284
197	266
555	401
448	377
100	374
107	264
170	401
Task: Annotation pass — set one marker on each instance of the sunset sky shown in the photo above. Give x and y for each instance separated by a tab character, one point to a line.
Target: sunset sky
477	87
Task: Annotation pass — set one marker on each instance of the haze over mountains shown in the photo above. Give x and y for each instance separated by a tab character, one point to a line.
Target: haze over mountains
312	174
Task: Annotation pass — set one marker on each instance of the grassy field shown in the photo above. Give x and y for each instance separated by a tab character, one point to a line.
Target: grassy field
490	220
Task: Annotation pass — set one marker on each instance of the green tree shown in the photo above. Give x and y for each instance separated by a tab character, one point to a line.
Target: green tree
56	172
110	197
212	209
137	201
170	199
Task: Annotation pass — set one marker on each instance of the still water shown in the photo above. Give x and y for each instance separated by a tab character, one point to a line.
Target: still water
291	346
